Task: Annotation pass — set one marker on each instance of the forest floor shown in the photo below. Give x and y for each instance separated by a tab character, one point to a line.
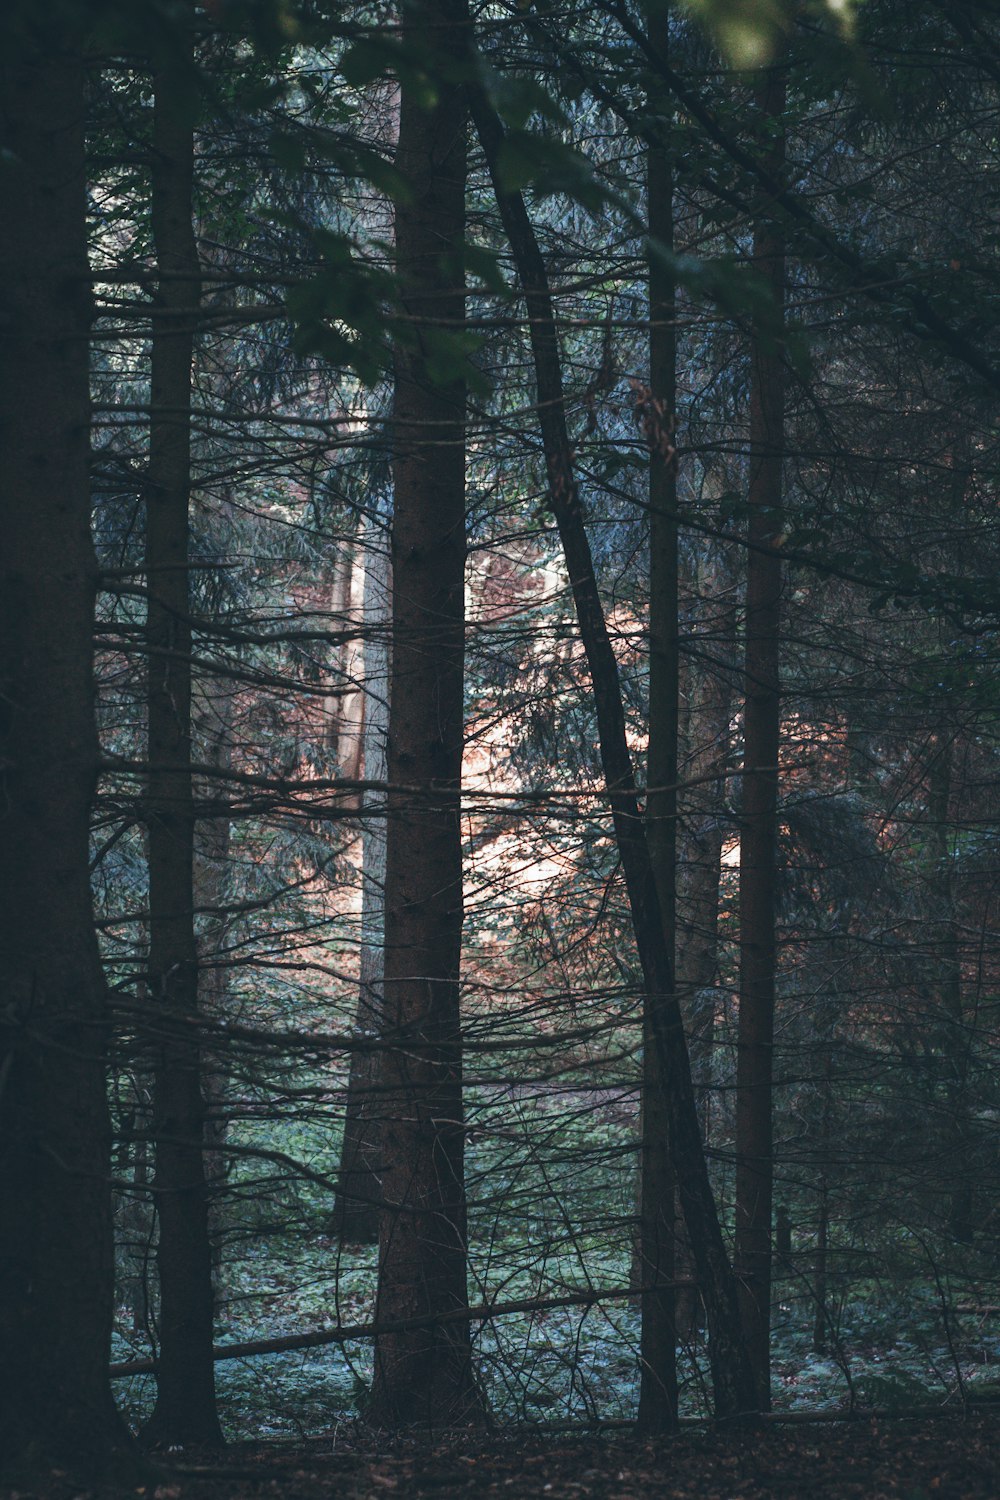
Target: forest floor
918	1459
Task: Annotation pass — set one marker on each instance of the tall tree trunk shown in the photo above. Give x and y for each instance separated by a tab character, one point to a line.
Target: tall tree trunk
658	1337
185	1411
821	1316
946	964
211	736
758	829
133	1214
709	677
708	685
359	1187
425	1376
56	1267
732	1376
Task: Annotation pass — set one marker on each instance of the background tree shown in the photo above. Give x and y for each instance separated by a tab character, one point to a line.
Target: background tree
359	1183
731	1375
657	1212
759	816
185	1406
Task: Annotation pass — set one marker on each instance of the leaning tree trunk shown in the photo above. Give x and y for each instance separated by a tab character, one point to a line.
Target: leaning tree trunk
732	1375
759	824
185	1410
359	1188
56	1265
425	1375
658	1334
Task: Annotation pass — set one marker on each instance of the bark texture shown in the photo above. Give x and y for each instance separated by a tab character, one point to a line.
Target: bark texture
946	967
185	1411
425	1376
359	1187
212	714
708	684
658	1337
346	704
759	825
56	1270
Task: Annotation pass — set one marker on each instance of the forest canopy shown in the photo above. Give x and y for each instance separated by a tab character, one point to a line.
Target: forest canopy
499	717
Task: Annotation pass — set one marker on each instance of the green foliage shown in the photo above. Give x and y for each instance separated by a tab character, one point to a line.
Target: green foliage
751	33
550	168
895	1391
339	313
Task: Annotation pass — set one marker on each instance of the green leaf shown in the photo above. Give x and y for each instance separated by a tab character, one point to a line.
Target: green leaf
367	59
288	151
747	32
447	357
485	265
550	167
517	98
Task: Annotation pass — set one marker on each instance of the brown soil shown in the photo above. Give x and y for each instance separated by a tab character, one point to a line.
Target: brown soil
919	1459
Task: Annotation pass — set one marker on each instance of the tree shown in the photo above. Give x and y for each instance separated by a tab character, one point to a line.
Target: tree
55	1229
732	1376
359	1190
759	816
658	1385
425	1375
185	1411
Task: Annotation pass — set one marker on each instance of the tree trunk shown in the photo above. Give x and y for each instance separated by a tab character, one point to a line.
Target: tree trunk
211	734
56	1265
732	1376
425	1376
346	704
821	1317
133	1211
708	688
359	1186
946	964
658	1337
185	1411
758	830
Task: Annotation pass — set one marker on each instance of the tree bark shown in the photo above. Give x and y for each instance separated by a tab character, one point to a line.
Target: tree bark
425	1376
732	1376
359	1184
758	829
185	1410
708	685
346	704
658	1335
56	1266
821	1316
211	735
946	965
